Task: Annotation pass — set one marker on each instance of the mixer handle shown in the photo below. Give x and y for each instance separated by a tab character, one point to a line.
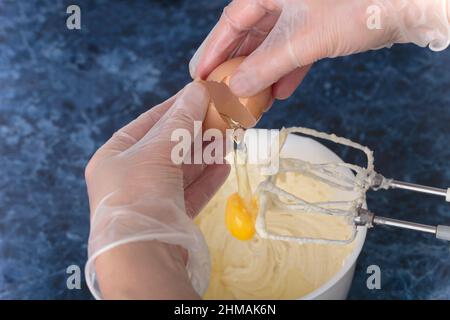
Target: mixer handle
443	232
367	218
380	182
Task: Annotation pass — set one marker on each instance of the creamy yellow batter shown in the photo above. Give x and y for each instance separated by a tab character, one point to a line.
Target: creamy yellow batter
267	269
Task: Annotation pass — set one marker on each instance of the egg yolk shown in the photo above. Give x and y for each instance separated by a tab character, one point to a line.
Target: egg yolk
240	218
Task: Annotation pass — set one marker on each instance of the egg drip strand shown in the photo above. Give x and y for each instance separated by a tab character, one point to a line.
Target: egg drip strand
242	207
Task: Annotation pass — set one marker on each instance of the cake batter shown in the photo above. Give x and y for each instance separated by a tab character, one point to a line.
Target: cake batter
266	269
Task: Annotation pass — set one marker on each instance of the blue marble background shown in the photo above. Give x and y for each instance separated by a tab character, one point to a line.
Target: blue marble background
63	93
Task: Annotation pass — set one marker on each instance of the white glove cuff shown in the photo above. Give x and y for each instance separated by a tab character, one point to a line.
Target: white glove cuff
424	22
115	226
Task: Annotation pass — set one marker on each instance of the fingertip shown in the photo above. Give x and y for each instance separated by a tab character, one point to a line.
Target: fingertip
197	58
287	85
193	68
196	93
196	69
280	92
192	102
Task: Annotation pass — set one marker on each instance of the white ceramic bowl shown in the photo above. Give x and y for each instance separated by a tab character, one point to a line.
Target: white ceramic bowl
310	150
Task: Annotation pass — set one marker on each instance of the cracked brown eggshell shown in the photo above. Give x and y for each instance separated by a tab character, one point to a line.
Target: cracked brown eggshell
225	106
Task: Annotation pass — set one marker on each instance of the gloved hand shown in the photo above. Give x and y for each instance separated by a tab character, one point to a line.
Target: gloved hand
284	37
143	242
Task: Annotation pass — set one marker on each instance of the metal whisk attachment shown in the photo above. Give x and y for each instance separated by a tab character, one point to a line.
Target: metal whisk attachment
336	175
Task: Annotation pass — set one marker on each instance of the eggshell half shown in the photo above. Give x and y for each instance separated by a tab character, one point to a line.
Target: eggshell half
225	109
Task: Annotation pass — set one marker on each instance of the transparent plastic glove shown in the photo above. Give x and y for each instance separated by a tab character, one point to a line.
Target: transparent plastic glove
284	37
137	195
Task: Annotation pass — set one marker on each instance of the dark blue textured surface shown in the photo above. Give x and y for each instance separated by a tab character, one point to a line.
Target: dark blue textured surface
63	93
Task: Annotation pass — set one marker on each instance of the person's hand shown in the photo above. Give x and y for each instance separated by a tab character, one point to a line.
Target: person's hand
143	242
282	38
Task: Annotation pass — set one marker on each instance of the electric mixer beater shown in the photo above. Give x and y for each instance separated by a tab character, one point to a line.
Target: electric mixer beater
336	175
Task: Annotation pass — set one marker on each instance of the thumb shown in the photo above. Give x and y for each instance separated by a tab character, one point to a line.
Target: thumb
179	122
190	107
